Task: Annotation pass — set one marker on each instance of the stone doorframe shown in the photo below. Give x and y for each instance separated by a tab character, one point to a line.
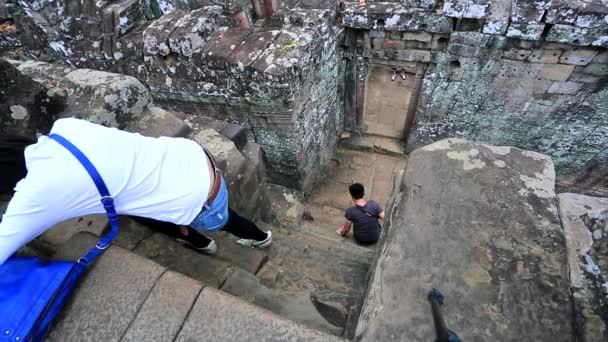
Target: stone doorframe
361	66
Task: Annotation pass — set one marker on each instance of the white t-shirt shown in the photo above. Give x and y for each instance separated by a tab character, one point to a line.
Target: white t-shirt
165	179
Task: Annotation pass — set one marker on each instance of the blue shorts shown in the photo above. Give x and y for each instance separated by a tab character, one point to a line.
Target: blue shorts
212	218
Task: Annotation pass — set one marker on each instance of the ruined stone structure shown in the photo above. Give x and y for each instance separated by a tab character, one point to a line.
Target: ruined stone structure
277	89
523	73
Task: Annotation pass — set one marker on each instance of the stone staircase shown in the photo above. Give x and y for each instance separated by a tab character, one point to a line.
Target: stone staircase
308	285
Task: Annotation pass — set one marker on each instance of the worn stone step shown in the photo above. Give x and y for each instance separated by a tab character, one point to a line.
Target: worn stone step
161	249
313	265
246	258
109	295
217	316
165	310
373	143
294	305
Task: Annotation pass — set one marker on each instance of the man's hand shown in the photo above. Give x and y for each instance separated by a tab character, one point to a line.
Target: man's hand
344	229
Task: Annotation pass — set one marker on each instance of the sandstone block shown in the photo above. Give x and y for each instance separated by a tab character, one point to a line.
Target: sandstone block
393	44
561	15
464	256
377	33
569	34
165	310
61	233
465	9
544	56
417	36
584	78
377	43
578	57
413	55
440	41
228	318
526	15
516	54
224	151
589	20
601	57
116	286
556	72
496	26
525	31
567	88
157	122
599	69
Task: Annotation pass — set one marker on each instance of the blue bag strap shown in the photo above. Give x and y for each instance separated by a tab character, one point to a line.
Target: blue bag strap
106	199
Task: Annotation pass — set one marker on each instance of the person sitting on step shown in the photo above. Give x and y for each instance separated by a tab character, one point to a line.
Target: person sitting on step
172	180
363	217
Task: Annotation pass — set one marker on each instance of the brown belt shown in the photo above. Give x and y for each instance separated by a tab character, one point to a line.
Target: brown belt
215	189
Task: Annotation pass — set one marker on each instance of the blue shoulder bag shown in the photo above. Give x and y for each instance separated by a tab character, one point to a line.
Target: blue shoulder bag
33	291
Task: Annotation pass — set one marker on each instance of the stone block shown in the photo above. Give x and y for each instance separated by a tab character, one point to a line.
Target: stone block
128	14
100	97
440	41
395	35
566	88
393	44
516	54
496	26
108	297
236	133
569	34
156	36
413	55
590	20
467	255
228	318
598	69
584	78
556	72
469	25
225	153
418	36
157	122
333	306
525	31
465	9
524	15
544	56
194	30
165	310
377	33
131	233
578	57
377	43
601	57
286	208
584	223
561	15
165	251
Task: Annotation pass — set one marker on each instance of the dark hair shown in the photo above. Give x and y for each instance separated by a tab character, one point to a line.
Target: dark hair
356	190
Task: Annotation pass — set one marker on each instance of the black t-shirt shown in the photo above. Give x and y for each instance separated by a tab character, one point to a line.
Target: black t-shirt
366	228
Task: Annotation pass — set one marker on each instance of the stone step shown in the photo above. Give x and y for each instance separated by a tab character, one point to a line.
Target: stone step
167	252
217	316
294	305
310	264
374	143
109	295
124	297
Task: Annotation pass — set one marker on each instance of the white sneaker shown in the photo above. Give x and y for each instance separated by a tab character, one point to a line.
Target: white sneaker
393	76
210	249
255	243
403	76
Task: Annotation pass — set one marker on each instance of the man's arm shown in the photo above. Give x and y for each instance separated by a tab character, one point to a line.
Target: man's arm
381	216
344	228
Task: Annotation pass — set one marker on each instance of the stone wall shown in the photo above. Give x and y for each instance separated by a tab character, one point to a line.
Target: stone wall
279	76
530	74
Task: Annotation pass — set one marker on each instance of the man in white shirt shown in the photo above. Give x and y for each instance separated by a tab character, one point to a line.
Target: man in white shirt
170	181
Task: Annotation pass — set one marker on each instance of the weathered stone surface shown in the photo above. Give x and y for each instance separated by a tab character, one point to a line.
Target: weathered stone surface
108	298
556	72
296	306
225	153
245	258
25	105
287	210
131	233
167	252
157	122
61	233
578	57
565	88
488	238
333	306
584	220
104	98
226	317
165	310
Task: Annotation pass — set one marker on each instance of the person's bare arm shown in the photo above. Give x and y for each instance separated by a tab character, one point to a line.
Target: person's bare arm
381	216
344	228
